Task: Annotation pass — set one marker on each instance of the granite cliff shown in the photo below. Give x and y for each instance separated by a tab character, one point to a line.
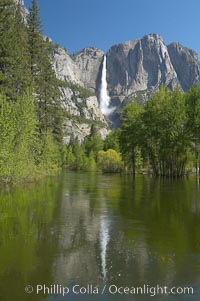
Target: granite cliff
135	69
76	74
78	92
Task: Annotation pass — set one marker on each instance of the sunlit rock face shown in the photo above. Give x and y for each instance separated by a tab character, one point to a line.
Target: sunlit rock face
65	68
137	65
134	70
140	65
89	62
83	111
186	64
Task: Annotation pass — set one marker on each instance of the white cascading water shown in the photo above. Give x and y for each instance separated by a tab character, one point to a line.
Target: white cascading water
104	97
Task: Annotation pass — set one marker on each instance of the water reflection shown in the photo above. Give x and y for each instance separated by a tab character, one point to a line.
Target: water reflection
92	229
104	239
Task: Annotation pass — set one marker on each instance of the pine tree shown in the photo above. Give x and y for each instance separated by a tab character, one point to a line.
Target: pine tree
93	142
14	51
45	82
18	125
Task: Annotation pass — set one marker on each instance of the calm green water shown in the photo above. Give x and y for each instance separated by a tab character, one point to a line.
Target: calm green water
80	229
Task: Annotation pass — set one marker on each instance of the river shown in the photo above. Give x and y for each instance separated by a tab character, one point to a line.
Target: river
100	237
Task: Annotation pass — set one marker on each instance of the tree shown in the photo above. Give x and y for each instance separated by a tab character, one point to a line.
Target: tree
15	74
93	143
46	85
193	112
50	157
130	136
80	158
165	134
25	135
18	132
69	158
112	140
109	161
7	137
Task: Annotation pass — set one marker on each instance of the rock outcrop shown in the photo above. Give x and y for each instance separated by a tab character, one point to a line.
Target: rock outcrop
186	64
65	68
135	69
89	61
78	73
81	104
140	65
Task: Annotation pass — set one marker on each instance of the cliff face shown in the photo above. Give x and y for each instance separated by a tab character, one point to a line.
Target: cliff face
186	64
148	63
78	74
89	62
64	66
135	69
140	65
80	104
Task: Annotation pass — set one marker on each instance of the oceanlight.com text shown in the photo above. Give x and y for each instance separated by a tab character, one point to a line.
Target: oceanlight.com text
107	289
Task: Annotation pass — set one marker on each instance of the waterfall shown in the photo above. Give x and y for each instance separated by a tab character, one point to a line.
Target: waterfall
104	97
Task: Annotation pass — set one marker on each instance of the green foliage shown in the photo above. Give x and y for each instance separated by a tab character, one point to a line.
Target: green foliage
18	125
46	85
7	138
31	134
79	154
69	158
109	161
83	156
193	112
24	154
50	156
93	143
91	163
166	133
15	73
112	140
160	132
131	134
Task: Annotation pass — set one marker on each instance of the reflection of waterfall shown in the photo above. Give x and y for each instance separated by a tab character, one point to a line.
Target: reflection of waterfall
104	238
104	97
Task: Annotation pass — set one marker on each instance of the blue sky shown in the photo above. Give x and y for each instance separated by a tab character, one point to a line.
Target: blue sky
76	24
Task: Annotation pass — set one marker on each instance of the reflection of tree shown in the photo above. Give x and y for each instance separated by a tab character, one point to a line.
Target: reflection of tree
26	214
159	228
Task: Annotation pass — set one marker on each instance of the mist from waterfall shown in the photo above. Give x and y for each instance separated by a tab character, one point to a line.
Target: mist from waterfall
104	97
